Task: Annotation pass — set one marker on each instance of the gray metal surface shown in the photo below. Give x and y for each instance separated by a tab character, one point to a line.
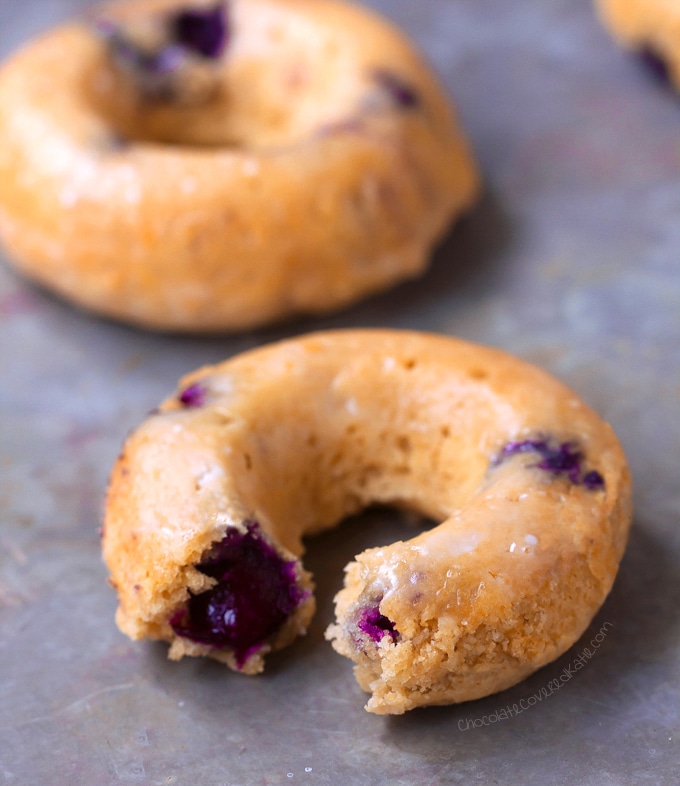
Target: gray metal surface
572	261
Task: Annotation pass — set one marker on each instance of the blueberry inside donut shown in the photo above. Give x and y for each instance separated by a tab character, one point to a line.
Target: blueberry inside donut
565	458
254	594
375	625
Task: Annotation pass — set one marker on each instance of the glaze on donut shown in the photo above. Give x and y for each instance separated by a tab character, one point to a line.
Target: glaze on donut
212	495
202	167
649	27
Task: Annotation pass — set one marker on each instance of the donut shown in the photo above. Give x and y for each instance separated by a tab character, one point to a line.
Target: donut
650	28
212	495
205	167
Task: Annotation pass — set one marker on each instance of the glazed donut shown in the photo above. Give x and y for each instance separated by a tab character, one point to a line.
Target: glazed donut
209	167
212	495
649	27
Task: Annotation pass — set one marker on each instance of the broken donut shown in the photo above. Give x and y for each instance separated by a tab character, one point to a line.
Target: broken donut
212	495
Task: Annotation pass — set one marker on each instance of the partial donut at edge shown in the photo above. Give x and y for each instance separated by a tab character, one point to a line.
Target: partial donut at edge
650	28
333	188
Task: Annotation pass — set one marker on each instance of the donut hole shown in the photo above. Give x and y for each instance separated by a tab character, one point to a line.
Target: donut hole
348	456
284	75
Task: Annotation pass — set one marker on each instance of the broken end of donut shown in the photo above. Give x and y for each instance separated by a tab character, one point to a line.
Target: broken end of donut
490	632
259	600
427	670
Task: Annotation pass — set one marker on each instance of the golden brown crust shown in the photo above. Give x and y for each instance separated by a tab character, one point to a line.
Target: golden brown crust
646	25
299	434
299	187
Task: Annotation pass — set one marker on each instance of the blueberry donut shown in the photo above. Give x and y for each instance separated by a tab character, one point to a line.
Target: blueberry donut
650	28
201	166
212	495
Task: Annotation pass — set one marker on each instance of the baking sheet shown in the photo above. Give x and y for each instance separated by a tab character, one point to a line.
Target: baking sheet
572	261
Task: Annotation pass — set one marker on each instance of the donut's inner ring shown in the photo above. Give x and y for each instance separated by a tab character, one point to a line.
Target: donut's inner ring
281	76
349	453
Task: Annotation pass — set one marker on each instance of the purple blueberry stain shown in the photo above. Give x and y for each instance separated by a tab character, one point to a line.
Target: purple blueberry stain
564	458
593	480
203	31
128	54
255	593
193	396
400	92
375	624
